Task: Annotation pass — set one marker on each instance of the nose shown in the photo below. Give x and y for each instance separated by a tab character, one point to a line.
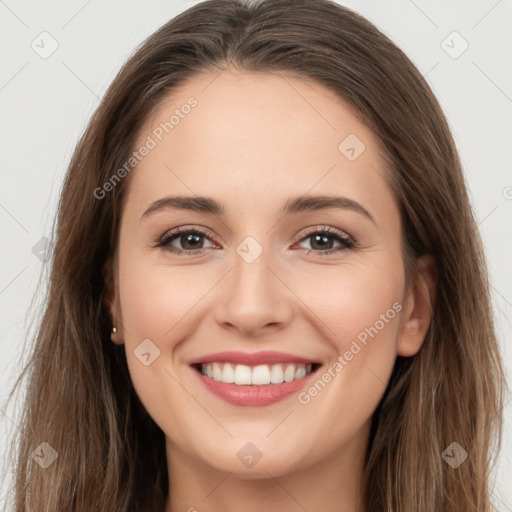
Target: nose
254	299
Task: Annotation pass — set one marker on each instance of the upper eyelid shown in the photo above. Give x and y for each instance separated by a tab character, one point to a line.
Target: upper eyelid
322	228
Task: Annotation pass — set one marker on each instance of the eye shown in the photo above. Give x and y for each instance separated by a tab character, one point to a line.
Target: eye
190	239
320	240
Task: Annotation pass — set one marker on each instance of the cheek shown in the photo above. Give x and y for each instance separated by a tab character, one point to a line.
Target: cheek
158	301
158	305
362	310
353	299
364	313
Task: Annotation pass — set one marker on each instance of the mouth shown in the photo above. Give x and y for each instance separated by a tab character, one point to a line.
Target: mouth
259	375
254	383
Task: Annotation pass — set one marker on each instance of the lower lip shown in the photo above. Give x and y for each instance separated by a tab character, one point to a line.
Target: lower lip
252	395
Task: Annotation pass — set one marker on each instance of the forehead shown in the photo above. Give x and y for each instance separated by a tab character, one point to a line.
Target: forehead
257	137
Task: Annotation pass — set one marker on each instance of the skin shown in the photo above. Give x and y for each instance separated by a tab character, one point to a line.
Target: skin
253	141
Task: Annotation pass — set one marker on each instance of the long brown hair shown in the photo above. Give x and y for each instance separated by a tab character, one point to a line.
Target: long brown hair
79	397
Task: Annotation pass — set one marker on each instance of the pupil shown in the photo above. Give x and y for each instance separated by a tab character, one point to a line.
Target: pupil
324	241
187	238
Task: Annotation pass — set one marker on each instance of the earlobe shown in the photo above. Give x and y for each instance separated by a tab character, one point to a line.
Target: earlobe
109	302
419	307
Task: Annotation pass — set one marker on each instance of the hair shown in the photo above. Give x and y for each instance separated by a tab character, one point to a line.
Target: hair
79	396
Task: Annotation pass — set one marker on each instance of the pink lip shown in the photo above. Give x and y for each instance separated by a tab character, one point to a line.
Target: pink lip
253	396
251	359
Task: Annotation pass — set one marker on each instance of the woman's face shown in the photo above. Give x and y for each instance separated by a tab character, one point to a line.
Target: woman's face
258	292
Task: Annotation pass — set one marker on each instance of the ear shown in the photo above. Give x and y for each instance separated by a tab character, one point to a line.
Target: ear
111	302
418	307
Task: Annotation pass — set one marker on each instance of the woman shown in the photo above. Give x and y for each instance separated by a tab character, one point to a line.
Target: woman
249	371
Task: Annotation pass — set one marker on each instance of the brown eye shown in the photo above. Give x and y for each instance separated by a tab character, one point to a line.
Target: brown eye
322	241
190	240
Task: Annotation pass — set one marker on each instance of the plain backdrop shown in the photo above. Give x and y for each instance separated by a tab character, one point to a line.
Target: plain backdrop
464	48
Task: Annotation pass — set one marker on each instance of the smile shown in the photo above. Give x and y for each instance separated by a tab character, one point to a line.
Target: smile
253	379
261	375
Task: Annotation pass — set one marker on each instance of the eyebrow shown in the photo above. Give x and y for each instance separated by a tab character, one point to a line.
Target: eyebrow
294	204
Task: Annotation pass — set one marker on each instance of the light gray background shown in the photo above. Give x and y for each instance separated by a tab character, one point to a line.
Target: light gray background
46	103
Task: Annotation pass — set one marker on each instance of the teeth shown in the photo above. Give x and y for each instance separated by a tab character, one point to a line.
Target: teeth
242	375
228	375
289	373
260	375
217	371
276	374
300	372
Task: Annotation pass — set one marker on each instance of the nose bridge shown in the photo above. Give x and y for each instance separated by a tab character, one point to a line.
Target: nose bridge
253	296
251	275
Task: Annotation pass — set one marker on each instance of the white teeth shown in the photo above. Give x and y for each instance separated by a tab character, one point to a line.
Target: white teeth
289	373
260	375
217	371
228	375
276	374
300	372
242	374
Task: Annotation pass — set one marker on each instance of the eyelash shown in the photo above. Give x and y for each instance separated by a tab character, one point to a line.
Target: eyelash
165	240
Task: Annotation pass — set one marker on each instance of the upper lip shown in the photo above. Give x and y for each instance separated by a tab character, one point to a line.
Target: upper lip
251	359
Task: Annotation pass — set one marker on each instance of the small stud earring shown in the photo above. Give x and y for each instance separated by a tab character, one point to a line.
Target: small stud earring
114	329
